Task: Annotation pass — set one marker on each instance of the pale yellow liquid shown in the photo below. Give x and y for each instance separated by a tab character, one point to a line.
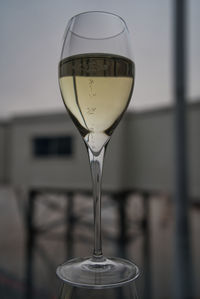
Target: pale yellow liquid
96	90
101	100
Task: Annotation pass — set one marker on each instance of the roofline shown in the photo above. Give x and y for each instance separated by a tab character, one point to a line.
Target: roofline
63	115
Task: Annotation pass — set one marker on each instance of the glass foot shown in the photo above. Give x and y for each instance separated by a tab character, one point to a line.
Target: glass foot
97	273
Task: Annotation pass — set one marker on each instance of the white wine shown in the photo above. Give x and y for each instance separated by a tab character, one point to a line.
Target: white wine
96	89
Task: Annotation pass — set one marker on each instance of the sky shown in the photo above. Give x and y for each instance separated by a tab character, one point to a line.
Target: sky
31	35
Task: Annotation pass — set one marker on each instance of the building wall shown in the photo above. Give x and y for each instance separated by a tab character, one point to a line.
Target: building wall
150	158
139	156
149	154
28	170
72	172
193	150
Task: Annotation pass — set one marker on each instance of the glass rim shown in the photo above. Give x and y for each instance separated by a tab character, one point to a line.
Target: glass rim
99	12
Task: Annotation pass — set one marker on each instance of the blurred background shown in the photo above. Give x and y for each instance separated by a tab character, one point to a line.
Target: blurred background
151	198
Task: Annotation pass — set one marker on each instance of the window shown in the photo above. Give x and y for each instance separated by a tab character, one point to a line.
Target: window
52	146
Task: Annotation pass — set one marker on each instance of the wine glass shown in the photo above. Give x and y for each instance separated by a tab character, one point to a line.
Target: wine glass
96	78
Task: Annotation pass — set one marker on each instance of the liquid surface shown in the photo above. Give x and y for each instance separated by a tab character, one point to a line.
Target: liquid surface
96	89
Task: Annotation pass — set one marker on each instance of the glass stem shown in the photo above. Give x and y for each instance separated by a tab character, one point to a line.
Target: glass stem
96	165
